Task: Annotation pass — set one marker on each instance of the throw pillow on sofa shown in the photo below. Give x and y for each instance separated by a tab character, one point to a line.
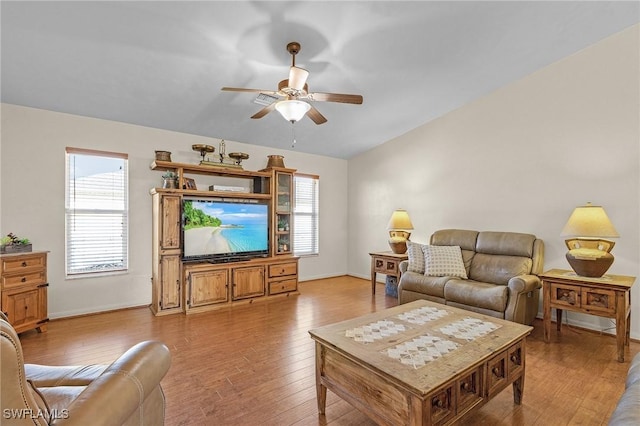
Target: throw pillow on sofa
444	261
416	257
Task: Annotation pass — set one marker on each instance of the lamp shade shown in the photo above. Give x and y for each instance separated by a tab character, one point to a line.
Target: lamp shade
292	110
400	221
589	222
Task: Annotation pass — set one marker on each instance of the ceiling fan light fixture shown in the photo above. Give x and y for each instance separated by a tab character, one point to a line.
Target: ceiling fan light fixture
292	109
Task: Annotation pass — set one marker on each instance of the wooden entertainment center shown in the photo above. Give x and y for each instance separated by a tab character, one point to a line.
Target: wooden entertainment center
191	287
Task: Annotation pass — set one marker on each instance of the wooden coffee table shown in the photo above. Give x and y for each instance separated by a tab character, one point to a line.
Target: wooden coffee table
420	363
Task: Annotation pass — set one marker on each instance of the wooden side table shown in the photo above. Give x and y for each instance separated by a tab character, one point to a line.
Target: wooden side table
385	262
608	296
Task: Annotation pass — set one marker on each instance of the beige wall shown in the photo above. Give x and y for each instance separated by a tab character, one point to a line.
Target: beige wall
32	197
519	159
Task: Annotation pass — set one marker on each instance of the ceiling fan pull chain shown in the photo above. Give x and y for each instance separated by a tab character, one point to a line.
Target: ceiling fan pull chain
293	134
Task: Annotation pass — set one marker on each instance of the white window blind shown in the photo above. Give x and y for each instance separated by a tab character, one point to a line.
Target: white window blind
305	215
96	200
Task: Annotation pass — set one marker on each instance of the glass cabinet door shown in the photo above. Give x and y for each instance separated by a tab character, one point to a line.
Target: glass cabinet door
283	216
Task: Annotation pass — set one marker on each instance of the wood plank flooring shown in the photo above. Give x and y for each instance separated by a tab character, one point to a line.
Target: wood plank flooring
254	364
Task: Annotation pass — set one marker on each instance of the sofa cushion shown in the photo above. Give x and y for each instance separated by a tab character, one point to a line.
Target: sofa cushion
455	237
443	261
416	257
478	294
420	283
506	243
497	269
458	237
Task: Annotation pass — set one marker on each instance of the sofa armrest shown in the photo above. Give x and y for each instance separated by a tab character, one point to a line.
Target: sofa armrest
122	388
403	266
521	289
524	284
50	376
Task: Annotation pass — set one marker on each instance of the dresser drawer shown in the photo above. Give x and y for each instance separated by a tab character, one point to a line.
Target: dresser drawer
283	286
27	278
11	264
283	269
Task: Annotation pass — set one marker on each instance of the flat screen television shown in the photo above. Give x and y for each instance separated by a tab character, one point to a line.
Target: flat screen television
223	230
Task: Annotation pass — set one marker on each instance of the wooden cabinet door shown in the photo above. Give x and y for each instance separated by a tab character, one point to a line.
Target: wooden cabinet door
26	307
170	282
247	282
207	288
170	236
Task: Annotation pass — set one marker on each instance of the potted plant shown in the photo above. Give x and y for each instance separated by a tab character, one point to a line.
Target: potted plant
282	225
13	244
170	180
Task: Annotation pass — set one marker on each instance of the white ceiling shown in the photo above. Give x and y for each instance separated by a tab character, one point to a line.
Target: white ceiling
161	64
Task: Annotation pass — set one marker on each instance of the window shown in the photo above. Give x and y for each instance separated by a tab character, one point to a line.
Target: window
96	202
305	214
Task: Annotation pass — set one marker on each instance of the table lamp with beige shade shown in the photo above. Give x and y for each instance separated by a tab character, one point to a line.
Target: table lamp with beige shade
399	227
589	254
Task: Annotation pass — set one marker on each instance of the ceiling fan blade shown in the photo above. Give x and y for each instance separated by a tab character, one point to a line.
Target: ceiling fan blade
264	111
242	89
297	78
335	97
315	115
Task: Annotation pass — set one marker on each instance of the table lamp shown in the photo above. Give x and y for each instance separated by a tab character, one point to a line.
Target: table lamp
589	255
399	227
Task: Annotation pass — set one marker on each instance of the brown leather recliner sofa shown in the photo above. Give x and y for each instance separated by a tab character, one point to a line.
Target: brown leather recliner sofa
127	392
501	269
627	412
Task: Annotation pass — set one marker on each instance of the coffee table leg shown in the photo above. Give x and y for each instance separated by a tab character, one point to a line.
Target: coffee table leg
518	388
321	390
321	395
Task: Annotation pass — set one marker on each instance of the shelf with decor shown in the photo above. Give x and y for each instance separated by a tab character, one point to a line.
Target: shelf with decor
260	180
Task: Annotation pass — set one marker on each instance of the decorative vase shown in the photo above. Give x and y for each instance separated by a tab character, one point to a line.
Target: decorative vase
170	183
163	156
275	161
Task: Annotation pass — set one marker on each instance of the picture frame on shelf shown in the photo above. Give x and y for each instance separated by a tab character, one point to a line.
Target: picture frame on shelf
189	183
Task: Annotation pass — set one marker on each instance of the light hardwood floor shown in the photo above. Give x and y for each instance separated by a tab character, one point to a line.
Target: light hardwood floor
254	364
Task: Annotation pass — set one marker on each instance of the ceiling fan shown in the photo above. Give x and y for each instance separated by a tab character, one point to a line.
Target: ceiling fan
295	94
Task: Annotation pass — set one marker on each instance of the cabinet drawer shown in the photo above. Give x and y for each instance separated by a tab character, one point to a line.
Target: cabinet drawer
27	278
11	264
283	286
470	389
442	405
565	295
598	300
283	269
497	374
515	361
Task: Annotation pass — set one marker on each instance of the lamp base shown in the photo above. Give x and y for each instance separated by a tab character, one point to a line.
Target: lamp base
398	241
593	267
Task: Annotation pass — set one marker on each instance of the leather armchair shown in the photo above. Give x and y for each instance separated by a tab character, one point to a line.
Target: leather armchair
127	392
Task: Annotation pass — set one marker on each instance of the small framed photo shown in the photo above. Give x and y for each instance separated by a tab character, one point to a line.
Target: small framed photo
189	183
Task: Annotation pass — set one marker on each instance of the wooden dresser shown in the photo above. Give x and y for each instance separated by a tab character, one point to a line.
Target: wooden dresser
24	290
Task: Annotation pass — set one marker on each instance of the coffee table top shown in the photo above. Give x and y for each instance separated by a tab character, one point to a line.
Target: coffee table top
420	344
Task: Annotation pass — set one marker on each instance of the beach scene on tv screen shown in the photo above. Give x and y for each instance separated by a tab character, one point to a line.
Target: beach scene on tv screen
218	228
